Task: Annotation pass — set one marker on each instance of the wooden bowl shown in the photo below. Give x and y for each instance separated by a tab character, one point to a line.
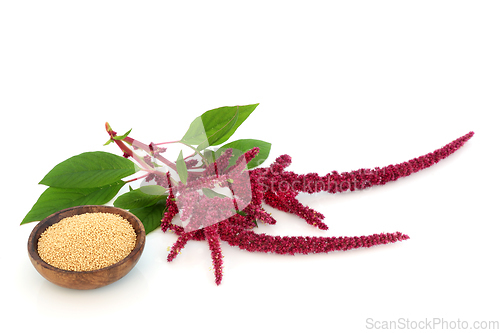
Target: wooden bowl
86	279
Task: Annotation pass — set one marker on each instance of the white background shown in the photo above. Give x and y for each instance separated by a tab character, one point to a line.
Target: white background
341	85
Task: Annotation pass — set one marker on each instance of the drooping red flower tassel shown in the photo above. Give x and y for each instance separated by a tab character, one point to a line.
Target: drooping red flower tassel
253	242
283	186
279	188
213	242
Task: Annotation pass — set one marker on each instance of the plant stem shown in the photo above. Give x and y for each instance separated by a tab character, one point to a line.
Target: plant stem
126	150
131	180
146	148
136	157
198	152
167	143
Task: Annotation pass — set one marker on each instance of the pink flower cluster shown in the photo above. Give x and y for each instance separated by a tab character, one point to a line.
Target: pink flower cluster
279	189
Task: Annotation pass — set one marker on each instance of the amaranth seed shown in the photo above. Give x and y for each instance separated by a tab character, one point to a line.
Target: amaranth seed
87	241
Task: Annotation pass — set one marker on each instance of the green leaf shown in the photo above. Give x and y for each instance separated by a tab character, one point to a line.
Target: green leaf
211	193
108	142
150	216
209	156
121	137
241	146
89	170
142	197
211	125
181	168
196	133
243	112
207	129
216	126
54	199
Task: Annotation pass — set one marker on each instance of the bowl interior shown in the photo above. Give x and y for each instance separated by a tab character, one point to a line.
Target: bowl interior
86	279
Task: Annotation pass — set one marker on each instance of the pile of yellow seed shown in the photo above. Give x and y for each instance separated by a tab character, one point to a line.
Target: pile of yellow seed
87	242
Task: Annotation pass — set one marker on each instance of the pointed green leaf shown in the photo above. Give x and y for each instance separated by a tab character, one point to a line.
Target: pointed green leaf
216	126
142	197
210	127
196	133
243	112
181	168
121	137
108	142
211	193
241	146
54	199
150	216
89	170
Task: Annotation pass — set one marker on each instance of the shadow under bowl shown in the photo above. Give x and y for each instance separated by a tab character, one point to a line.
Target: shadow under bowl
86	279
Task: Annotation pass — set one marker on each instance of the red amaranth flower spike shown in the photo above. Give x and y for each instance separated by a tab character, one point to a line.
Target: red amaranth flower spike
250	241
279	188
212	237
